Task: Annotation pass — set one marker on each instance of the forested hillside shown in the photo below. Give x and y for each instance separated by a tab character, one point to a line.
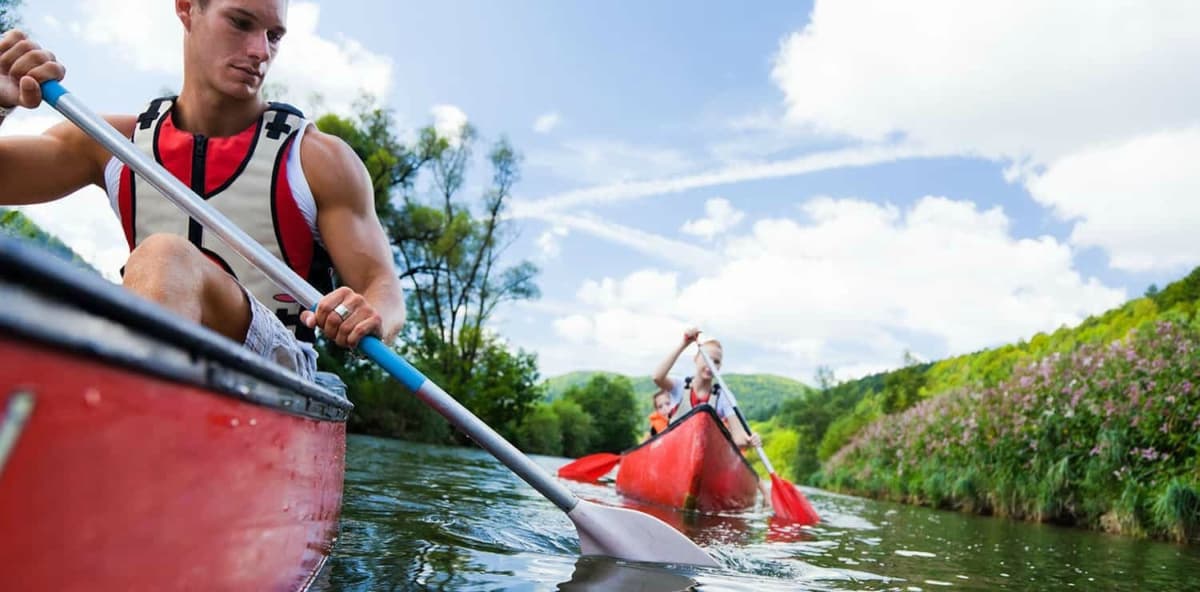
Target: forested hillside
759	395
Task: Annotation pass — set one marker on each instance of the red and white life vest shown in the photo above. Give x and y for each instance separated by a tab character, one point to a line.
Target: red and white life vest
243	176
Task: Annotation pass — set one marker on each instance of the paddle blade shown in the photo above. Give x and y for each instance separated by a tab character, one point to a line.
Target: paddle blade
590	467
790	504
633	536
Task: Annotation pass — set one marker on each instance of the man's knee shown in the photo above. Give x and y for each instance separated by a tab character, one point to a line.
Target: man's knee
160	253
161	266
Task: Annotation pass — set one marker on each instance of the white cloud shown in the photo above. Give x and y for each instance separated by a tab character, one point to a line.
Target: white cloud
448	122
574	328
1012	79
608	161
1138	200
550	242
546	122
83	220
677	252
1099	95
720	216
626	191
315	70
851	284
648	290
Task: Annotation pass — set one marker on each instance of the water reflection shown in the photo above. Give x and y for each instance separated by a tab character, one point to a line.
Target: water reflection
432	518
598	574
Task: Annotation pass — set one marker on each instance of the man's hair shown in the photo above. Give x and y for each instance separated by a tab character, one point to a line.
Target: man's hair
661	392
713	342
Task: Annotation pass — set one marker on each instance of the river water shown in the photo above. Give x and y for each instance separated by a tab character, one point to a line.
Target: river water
418	517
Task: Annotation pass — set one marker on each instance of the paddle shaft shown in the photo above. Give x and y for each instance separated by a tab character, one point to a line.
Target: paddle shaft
287	279
733	400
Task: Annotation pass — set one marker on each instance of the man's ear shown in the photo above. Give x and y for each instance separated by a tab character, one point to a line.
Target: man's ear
183	8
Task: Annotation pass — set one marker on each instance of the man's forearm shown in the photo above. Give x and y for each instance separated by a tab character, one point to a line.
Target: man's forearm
387	297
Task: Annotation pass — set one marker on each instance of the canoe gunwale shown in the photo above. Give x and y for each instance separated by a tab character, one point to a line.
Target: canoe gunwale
53	303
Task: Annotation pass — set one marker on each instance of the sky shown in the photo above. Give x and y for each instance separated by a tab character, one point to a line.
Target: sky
814	184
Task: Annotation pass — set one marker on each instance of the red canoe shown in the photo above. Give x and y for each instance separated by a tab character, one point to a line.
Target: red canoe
693	465
139	452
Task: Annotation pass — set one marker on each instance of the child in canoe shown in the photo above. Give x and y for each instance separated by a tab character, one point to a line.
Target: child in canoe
662	410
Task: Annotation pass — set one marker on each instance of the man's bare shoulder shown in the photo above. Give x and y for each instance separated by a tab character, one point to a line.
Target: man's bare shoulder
332	169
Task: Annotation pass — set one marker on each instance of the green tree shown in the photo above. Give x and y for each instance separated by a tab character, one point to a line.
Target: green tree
449	252
902	388
8	14
578	428
541	432
610	402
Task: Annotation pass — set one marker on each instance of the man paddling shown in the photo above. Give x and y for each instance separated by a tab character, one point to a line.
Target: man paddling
301	193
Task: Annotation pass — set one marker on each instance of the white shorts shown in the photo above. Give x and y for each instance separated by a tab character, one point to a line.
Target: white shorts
271	339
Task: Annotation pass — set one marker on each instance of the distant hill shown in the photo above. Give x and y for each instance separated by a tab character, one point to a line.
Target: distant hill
758	395
14	223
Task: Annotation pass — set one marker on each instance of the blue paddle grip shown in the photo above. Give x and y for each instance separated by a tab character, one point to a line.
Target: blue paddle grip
52	91
398	367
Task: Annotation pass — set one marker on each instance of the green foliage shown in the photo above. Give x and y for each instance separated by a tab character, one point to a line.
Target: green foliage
1104	435
1185	292
760	396
14	223
578	427
449	250
541	432
9	17
560	428
610	403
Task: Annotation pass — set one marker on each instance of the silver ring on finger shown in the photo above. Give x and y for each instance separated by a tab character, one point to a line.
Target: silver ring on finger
342	311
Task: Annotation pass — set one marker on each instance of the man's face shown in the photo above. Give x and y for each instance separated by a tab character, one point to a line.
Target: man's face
233	42
662	404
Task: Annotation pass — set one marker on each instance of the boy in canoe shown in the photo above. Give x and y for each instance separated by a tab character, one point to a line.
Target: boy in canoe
662	410
302	193
700	387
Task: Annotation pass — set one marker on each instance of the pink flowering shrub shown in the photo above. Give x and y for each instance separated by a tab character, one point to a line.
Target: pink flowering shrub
1107	436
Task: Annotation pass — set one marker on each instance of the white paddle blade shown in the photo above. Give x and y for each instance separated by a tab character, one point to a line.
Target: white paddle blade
633	536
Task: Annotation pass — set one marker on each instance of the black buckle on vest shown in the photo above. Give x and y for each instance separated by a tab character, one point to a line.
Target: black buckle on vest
147	118
278	125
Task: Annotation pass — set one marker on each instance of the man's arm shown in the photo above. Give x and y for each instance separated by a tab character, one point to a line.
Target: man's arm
355	240
42	168
38	169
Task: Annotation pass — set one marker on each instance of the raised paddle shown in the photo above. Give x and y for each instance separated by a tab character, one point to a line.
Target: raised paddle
589	468
788	502
614	532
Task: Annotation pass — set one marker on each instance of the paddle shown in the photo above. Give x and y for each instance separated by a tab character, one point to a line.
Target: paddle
589	468
615	532
788	502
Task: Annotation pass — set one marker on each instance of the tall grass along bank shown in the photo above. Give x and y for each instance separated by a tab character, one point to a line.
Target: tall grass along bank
1105	436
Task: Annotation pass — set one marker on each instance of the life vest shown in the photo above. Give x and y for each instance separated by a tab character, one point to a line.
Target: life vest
243	176
658	423
691	401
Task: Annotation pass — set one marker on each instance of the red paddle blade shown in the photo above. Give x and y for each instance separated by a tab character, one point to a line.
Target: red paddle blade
790	504
590	467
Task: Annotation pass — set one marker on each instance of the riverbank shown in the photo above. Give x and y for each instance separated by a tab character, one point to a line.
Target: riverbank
1106	437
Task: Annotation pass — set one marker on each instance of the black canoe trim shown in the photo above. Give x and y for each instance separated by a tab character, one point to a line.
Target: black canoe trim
701	408
52	302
